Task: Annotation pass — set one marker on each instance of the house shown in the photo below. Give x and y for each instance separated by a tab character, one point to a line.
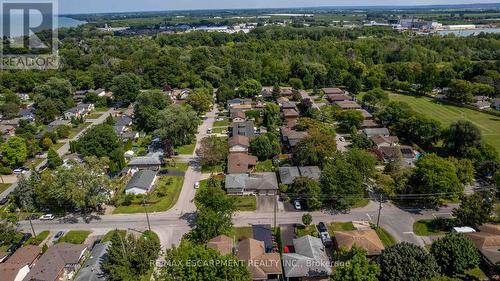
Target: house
80	95
370	132
239	107
59	262
238	101
309	261
238	144
11	122
27	114
243	128
481	104
92	268
222	244
288	105
338	97
291	138
281	100
380	140
142	182
129	135
261	265
180	94
240	163
286	91
264	233
290	116
145	163
365	114
480	98
366	239
60	122
124	120
7	130
238	117
78	111
496	104
100	92
403	152
258	183
288	174
267	93
369	124
333	91
119	129
20	263
487	242
347	104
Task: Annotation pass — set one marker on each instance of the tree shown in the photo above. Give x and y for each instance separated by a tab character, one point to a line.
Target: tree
455	253
147	108
55	90
354	265
8	233
305	107
460	91
63	131
342	183
271	116
179	263
178	124
14	151
349	119
316	148
305	187
53	159
225	93
461	136
296	83
213	150
434	175
364	161
465	170
249	89
125	87
307	219
200	99
265	146
375	99
474	210
406	262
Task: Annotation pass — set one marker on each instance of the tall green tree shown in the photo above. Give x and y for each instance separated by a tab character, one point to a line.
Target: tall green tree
475	209
14	151
455	253
305	187
53	159
354	265
177	124
125	87
213	151
265	146
249	89
461	136
200	99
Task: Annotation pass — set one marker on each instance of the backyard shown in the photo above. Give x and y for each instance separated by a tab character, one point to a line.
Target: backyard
447	114
163	197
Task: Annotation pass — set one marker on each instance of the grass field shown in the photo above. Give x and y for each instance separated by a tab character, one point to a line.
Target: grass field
447	114
241	232
246	203
38	239
339	226
385	237
107	237
186	149
75	237
427	228
302	230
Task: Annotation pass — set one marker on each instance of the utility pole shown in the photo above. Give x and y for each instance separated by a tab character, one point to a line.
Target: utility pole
31	224
147	216
379	209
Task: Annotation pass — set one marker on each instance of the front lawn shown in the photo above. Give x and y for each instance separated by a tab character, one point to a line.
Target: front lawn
93	116
264	166
177	166
163	197
241	232
245	203
75	131
185	149
340	226
74	237
222	123
107	237
101	109
212	169
360	203
4	186
38	239
385	237
219	130
302	230
56	146
427	228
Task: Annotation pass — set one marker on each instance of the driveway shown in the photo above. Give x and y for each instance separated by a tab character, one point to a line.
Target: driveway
265	203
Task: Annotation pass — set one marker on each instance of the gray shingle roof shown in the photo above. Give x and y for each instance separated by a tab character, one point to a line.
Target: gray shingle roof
144	160
236	181
312	172
288	174
309	259
376	131
142	180
91	270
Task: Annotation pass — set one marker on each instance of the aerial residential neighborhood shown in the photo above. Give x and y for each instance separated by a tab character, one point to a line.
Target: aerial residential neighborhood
218	142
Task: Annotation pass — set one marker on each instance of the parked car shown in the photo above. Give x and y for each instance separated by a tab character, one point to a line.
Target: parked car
58	235
322	227
209	130
342	139
4	201
326	239
197	185
297	205
18	171
220	119
47	217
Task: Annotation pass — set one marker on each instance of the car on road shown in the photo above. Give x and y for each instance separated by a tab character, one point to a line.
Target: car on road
47	217
322	227
197	185
342	139
58	235
209	130
297	205
19	171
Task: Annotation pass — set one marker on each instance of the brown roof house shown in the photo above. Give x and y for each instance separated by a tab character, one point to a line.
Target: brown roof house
238	116
368	123
290	116
261	265
60	262
366	239
240	163
239	144
291	137
222	244
347	104
338	97
333	91
487	241
380	140
19	264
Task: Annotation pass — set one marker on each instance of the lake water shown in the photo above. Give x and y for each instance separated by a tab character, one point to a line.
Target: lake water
61	22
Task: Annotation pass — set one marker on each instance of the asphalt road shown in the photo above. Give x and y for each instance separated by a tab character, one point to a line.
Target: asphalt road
62	150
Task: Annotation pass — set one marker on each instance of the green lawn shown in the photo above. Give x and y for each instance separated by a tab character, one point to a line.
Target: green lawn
163	197
241	232
101	109
179	166
107	237
340	226
38	239
56	146
186	149
4	186
447	114
360	203
264	166
219	130
222	123
386	238
212	169
245	203
93	115
75	131
427	228
474	274
302	230
74	237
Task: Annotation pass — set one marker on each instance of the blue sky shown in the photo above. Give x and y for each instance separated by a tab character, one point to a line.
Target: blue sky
102	6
